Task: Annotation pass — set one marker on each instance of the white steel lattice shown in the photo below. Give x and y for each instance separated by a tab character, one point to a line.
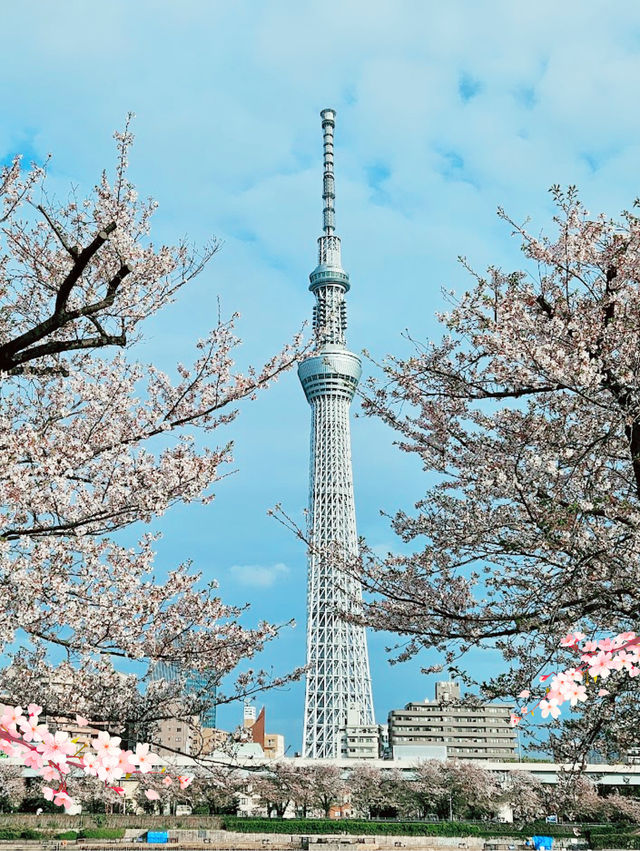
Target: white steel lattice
338	682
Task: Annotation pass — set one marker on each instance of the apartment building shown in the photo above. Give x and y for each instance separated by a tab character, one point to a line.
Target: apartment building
466	731
361	741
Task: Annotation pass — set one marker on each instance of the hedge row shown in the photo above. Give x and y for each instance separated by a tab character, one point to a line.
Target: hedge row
376	828
615	840
88	833
14	833
102	833
416	828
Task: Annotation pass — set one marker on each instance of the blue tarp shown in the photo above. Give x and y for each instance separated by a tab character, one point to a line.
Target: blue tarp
157	836
542	842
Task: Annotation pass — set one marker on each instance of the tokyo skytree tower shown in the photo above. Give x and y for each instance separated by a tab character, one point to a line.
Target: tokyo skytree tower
338	682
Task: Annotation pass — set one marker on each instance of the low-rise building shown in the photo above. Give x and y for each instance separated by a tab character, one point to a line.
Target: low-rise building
361	741
466	730
175	735
273	745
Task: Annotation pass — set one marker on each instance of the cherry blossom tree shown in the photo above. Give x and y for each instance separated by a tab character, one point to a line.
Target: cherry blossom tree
525	795
327	786
427	792
94	441
623	808
12	786
472	791
372	793
526	418
217	789
277	787
304	786
575	798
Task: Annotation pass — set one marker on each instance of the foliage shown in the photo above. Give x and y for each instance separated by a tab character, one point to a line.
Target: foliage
373	792
12	786
94	442
615	840
351	826
102	833
26	833
414	828
526	417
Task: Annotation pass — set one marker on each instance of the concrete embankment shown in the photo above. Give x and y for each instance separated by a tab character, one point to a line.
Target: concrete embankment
223	840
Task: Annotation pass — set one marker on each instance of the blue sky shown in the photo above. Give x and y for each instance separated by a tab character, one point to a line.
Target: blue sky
445	111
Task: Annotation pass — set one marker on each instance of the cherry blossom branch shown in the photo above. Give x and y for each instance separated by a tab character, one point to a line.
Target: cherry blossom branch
599	658
56	755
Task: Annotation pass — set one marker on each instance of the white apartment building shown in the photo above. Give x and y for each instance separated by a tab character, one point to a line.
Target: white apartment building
456	729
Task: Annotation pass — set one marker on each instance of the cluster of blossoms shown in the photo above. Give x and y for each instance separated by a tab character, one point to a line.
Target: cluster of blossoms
56	755
598	658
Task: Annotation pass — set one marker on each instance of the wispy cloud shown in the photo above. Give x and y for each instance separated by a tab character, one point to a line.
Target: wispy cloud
259	575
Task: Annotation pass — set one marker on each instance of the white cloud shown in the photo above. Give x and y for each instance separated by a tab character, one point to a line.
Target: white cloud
259	575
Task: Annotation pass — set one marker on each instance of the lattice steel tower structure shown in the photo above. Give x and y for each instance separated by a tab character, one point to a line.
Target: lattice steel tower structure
338	682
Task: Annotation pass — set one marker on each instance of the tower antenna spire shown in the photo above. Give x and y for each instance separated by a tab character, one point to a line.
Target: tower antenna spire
328	181
329	251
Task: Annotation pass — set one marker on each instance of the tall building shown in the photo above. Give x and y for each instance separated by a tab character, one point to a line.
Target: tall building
338	682
196	685
445	727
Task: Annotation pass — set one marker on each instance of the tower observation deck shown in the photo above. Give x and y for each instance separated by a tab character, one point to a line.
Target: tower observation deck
338	682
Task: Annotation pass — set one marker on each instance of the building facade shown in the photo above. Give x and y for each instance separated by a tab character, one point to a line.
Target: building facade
446	726
338	679
200	686
363	741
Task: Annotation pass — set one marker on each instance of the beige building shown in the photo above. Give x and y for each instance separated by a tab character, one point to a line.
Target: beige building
447	727
176	736
361	741
273	745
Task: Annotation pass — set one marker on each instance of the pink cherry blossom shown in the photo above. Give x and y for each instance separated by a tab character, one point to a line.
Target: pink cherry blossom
576	693
143	759
49	772
61	799
11	717
32	759
152	795
126	763
106	745
549	707
56	747
29	729
90	762
600	664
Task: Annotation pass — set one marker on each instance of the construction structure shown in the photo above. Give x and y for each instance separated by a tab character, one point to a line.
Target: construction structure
338	682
